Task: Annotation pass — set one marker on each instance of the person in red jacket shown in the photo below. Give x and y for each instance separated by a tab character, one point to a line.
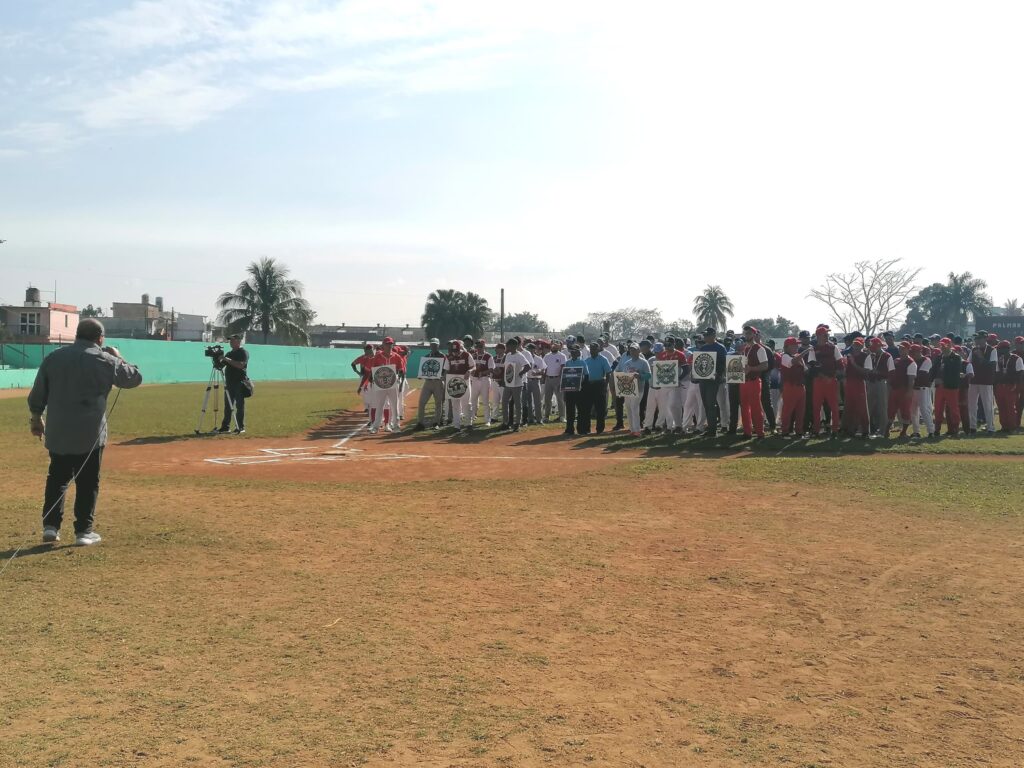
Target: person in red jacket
756	363
1018	350
386	399
901	388
855	414
1008	372
361	366
826	360
793	367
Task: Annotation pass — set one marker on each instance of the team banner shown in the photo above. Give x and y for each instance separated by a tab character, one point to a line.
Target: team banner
510	374
385	377
734	369
664	373
430	367
456	387
572	379
626	385
704	366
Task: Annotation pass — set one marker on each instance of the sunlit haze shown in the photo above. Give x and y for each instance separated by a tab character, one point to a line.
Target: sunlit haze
585	156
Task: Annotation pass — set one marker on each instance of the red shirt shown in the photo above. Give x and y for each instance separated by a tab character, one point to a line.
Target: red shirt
459	363
394	359
856	362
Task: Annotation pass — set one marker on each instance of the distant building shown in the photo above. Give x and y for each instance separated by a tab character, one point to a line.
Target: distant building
145	320
38	323
344	335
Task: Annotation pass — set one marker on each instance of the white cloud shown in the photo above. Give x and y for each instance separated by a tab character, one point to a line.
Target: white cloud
161	24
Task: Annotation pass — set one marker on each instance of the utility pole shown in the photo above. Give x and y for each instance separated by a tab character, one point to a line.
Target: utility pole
501	319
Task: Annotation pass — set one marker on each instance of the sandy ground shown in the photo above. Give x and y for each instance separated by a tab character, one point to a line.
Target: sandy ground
595	615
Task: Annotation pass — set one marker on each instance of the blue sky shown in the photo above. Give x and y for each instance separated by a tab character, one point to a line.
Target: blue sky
583	155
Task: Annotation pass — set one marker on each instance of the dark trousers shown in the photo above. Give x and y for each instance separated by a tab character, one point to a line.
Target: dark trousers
620	411
87	488
577	414
766	400
709	398
734	407
596	392
233	394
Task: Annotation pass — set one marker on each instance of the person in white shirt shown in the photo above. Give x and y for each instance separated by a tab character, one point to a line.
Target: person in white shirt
531	395
517	365
554	361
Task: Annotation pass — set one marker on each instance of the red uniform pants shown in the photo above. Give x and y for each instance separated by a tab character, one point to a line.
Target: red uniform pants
751	410
855	413
794	401
826	390
900	400
947	400
1006	401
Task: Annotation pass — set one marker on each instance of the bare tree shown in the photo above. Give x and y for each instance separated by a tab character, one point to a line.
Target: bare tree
871	298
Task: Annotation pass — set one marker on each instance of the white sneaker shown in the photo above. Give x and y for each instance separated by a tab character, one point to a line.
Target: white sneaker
87	539
373	430
50	534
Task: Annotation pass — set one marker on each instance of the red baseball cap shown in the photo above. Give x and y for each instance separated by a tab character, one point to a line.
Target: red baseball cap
874	341
1019	340
915	348
388	340
1003	345
993	337
859	340
790	340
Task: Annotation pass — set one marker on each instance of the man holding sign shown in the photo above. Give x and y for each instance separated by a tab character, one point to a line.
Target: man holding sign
638	371
431	385
385	368
572	380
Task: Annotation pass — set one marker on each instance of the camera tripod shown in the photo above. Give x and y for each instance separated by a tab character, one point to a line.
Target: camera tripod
214	384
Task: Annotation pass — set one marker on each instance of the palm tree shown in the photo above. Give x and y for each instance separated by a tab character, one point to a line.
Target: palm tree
1012	307
449	314
712	308
962	296
268	302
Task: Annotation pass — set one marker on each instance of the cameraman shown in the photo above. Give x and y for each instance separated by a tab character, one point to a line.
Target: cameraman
234	364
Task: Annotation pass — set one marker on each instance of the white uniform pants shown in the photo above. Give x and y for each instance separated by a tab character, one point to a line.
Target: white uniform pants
384	398
921	410
776	396
480	391
402	389
657	400
983	392
676	398
462	410
632	408
723	404
693	408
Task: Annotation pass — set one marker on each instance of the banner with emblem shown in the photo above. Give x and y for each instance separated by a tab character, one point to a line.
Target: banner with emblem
626	385
734	369
385	377
705	366
664	373
456	387
431	367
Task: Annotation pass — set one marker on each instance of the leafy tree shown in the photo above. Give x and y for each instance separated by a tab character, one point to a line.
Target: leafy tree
91	311
681	328
871	298
450	314
268	302
628	323
780	327
713	308
519	321
1012	307
943	307
586	328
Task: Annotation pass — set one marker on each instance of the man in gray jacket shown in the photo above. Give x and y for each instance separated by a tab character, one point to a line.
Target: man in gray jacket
71	388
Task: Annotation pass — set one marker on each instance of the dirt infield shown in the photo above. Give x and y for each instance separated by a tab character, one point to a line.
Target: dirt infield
486	601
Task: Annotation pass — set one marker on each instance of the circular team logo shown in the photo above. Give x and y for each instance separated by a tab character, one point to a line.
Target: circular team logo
704	366
457	387
384	378
431	368
510	374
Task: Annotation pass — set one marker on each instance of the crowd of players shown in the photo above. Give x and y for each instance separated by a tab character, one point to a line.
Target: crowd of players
858	386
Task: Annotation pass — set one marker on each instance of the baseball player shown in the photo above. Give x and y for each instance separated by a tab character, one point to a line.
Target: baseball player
482	382
386	399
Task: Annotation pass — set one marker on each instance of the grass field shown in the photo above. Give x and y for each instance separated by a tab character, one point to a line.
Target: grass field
734	607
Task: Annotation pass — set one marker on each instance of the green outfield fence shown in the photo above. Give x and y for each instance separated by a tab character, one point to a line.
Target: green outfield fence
169	362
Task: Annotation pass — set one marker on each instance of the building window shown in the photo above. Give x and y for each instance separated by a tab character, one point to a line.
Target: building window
65	321
28	324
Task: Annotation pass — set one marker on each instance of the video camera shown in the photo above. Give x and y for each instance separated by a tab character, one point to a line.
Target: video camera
215	351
